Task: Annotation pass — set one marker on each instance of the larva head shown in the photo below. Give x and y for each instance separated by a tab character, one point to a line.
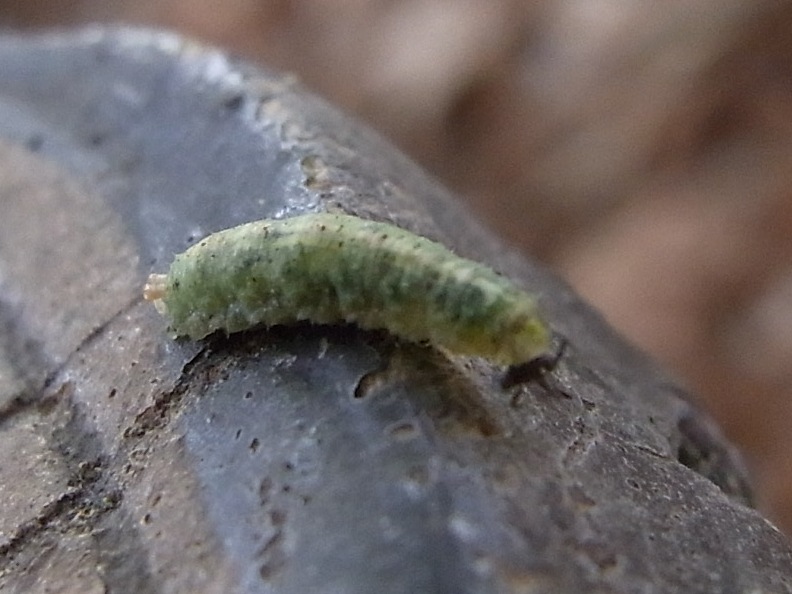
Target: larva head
509	332
516	332
526	338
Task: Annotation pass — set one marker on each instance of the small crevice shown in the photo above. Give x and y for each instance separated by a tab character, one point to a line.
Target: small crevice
158	414
90	504
80	507
30	360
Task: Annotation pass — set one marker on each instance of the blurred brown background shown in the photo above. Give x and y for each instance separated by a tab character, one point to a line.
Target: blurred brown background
643	149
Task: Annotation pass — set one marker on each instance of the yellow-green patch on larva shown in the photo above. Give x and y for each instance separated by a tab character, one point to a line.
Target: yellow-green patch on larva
331	268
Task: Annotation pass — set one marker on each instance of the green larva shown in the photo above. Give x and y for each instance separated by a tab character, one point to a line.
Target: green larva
331	268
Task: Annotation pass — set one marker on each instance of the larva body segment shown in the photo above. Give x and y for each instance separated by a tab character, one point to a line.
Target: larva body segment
329	268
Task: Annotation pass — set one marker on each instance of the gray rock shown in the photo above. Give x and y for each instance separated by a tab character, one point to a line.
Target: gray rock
304	459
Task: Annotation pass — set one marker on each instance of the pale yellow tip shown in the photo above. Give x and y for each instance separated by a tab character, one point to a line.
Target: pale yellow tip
154	289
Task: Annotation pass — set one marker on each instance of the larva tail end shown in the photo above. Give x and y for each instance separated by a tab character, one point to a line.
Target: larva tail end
155	287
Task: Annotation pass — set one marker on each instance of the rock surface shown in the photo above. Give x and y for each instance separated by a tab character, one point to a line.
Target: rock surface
303	459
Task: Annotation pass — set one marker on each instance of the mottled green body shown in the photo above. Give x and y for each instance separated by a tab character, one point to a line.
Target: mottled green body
329	268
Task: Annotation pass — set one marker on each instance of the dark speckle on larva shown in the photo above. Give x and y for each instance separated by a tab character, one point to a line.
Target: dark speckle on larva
328	268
